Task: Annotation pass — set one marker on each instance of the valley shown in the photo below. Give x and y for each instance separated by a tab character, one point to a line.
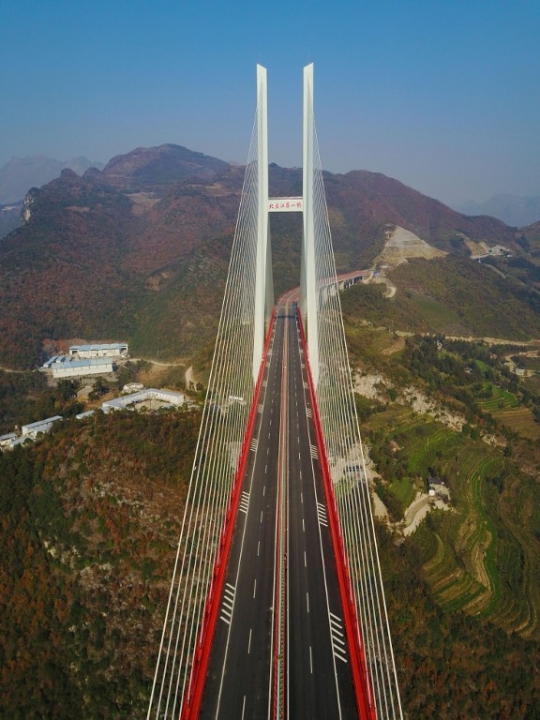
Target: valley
437	343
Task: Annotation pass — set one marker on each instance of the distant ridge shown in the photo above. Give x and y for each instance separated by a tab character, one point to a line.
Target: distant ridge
151	169
514	210
21	174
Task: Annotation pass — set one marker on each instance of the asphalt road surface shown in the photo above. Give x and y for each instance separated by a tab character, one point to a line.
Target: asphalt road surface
252	639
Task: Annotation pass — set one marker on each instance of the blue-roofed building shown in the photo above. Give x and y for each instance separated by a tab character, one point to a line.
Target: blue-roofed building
46	365
98	350
62	366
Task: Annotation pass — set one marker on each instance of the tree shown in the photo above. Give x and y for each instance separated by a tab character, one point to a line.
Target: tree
100	388
67	389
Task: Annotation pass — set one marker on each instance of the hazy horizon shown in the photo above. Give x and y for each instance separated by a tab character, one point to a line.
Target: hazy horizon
442	97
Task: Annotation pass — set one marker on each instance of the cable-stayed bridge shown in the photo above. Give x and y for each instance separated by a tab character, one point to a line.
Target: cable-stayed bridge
276	607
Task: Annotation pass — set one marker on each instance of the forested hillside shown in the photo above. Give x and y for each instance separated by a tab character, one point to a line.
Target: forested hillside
89	525
453	296
139	252
463	587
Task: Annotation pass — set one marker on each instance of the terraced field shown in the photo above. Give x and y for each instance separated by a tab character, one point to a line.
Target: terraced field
472	536
483	557
519	420
506	408
500	399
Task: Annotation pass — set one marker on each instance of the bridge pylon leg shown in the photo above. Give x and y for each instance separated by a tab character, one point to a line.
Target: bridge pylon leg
264	300
308	290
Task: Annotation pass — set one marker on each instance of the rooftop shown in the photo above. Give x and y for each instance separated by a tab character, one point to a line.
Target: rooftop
169	396
98	346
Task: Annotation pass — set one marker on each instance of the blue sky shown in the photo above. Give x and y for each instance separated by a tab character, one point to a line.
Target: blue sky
443	96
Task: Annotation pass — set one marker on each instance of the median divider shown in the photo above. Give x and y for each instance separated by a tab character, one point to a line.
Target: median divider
192	702
279	662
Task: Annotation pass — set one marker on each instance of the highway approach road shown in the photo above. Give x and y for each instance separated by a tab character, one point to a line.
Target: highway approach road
280	649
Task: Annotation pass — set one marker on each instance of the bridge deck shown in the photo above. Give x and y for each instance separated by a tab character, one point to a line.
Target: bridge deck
246	652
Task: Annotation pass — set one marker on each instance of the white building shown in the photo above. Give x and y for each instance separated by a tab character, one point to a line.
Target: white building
149	395
99	350
18	441
438	488
41	426
87	413
62	366
6	440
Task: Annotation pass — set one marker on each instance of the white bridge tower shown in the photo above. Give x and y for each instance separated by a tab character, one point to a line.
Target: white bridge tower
264	283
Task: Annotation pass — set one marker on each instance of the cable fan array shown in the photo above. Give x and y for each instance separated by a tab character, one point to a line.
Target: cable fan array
224	418
221	442
339	421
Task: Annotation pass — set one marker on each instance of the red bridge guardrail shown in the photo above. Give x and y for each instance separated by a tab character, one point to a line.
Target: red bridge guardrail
192	702
361	679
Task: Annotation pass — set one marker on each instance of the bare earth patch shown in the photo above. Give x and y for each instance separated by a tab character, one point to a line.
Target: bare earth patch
370	385
423	405
418	510
402	244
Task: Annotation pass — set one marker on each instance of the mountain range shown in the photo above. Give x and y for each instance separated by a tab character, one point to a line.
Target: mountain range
20	174
90	516
139	251
514	210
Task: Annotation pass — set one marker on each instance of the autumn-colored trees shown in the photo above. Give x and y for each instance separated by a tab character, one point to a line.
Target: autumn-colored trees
88	527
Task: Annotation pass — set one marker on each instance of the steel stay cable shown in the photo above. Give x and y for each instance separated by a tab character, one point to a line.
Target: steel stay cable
346	446
333	410
204	470
331	420
216	463
205	429
218	460
345	453
202	667
324	280
193	485
374	605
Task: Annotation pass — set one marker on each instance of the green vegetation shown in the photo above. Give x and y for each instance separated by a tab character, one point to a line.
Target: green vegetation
496	399
450	295
452	665
463	590
25	398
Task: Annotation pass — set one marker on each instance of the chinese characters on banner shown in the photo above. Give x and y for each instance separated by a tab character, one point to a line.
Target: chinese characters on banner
285	204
